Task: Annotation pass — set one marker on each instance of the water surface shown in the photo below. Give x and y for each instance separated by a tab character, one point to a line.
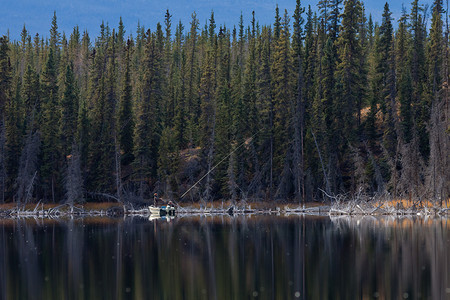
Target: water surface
225	258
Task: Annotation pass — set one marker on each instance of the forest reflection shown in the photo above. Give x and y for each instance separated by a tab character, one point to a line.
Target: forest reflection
225	258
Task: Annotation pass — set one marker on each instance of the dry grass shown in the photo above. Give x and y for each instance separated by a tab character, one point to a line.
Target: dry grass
406	204
29	206
99	205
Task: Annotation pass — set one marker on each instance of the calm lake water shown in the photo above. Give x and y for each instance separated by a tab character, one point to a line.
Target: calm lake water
225	258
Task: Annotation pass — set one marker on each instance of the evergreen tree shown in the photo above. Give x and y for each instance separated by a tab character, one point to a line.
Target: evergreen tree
69	112
348	80
5	98
167	161
224	107
248	116
310	57
439	161
277	24
298	105
386	84
102	133
5	73
266	110
178	91
55	40
126	118
435	51
50	158
147	131
192	75
282	93
324	12
208	117
334	25
404	80
418	75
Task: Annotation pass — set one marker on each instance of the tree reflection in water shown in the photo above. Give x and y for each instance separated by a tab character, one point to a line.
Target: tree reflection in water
225	258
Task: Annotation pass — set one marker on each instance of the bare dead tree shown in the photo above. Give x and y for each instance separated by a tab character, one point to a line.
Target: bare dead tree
438	179
28	168
74	178
254	186
117	165
412	167
209	179
2	162
325	177
210	157
381	185
360	177
232	185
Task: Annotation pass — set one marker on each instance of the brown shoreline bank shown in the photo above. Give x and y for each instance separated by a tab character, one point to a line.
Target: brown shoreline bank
114	209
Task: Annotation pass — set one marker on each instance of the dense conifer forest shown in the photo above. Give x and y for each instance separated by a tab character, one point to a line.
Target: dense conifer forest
324	101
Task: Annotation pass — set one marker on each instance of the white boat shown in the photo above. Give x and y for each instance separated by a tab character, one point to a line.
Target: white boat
162	210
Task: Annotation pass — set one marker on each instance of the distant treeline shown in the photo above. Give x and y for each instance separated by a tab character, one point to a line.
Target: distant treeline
321	102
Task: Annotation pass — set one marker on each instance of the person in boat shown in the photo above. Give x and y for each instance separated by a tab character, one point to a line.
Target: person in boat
170	204
155	199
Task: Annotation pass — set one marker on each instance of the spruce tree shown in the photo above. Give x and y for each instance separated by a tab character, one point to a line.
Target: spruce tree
282	92
101	145
167	161
266	109
5	96
439	161
192	76
208	118
69	112
50	159
386	76
418	76
224	107
5	73
147	126
126	119
404	80
347	75
348	80
298	105
178	91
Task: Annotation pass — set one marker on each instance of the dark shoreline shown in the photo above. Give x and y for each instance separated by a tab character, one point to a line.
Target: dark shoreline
351	208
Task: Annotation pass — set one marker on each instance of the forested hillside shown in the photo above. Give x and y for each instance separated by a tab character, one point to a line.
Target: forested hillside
323	100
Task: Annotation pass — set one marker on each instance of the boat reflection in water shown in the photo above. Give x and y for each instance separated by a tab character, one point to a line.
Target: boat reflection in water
225	258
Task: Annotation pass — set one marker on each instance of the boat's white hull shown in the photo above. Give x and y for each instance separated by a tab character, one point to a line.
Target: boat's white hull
162	211
154	210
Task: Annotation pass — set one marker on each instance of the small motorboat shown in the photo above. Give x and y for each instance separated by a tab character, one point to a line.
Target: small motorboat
166	210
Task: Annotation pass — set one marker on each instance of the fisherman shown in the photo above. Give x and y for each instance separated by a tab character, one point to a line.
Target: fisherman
155	199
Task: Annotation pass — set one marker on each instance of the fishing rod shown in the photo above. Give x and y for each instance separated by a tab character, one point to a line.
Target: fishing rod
222	160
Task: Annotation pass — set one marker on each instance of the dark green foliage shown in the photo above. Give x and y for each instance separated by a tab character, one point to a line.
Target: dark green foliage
5	72
69	112
337	104
147	130
404	80
49	128
282	91
348	78
102	134
126	119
